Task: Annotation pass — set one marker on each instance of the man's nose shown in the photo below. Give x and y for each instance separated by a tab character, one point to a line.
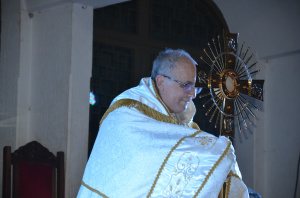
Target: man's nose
192	93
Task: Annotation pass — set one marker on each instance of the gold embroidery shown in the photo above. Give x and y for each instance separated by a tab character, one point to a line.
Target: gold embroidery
228	183
206	142
160	100
93	190
146	110
193	125
166	159
231	174
187	165
212	170
227	190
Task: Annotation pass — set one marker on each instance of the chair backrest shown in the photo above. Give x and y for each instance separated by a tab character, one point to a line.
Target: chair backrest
37	173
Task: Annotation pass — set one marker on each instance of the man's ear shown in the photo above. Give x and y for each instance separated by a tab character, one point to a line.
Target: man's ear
159	82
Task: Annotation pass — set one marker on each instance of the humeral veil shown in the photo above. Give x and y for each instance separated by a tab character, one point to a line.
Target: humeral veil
143	151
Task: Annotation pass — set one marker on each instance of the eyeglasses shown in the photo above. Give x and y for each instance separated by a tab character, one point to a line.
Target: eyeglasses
187	87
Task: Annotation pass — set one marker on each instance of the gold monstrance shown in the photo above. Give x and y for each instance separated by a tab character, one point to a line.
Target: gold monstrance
230	84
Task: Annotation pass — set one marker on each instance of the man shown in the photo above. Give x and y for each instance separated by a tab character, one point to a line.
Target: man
148	145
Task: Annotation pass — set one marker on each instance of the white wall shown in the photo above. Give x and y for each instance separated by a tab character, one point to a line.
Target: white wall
9	72
60	85
46	61
282	125
268	152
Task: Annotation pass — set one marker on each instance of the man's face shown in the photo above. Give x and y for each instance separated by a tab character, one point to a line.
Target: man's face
171	92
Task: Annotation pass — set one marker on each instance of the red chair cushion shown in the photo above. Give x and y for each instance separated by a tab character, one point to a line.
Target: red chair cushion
35	180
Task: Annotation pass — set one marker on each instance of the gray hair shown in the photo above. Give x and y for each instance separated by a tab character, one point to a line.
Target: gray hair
166	61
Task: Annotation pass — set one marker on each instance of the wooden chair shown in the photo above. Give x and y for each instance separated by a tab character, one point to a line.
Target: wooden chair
37	173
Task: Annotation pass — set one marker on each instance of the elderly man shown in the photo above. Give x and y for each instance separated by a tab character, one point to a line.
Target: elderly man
148	145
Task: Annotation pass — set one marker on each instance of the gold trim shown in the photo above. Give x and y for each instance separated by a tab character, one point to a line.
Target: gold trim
148	111
212	170
160	100
166	159
231	174
93	190
228	184
194	125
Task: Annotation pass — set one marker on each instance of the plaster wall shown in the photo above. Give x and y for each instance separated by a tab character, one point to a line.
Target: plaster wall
282	146
9	72
79	82
46	61
61	70
37	5
24	77
50	71
268	152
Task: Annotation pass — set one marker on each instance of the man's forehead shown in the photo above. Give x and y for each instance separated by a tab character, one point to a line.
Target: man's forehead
184	73
185	59
185	64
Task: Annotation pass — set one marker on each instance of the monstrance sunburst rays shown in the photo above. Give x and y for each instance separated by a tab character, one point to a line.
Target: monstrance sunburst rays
230	84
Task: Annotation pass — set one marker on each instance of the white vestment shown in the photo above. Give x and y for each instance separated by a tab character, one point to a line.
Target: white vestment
143	151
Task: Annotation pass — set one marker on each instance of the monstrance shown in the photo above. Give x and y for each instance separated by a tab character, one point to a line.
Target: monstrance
230	84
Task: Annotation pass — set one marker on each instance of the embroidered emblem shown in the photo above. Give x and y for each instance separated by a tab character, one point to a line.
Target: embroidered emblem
183	172
206	142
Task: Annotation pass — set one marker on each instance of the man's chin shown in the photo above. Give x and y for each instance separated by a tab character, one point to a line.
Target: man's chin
183	110
186	106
